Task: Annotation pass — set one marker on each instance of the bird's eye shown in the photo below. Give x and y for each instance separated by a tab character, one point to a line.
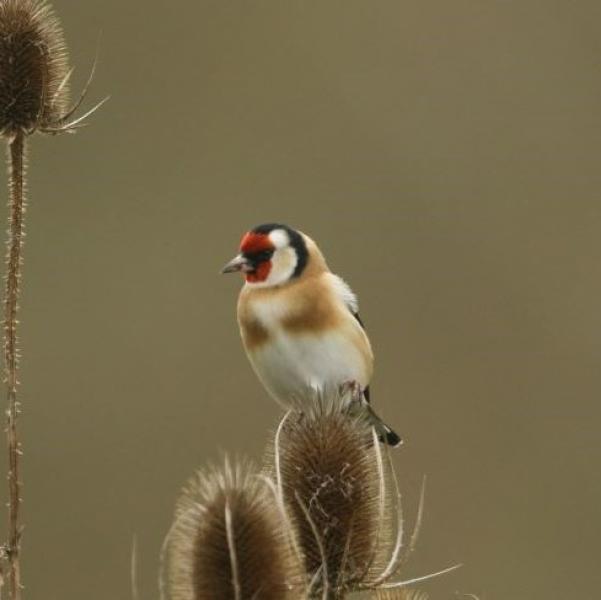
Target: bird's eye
259	257
264	255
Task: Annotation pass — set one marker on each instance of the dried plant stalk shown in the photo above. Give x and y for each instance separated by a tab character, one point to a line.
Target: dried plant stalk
229	541
32	66
33	97
11	298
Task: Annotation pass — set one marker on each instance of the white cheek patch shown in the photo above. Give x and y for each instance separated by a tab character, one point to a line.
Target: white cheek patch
279	238
283	264
283	261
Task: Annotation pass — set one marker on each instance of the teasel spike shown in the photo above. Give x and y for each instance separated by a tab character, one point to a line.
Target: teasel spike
418	524
399	554
163	555
288	525
326	465
230	541
382	502
323	566
82	95
402	594
408	582
278	470
231	544
76	124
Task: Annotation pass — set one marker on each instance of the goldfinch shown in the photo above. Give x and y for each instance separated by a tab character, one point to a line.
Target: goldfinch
299	322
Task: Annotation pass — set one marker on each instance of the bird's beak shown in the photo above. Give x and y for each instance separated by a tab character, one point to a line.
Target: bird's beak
237	264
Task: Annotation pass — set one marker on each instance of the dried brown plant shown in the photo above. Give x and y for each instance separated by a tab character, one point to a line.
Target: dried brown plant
230	540
342	495
33	97
326	467
323	520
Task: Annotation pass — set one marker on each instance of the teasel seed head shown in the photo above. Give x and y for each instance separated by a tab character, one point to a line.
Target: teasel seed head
328	466
33	67
230	540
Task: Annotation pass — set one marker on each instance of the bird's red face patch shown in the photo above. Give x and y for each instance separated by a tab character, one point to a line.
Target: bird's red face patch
260	274
253	245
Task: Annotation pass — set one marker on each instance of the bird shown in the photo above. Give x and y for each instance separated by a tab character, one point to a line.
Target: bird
299	322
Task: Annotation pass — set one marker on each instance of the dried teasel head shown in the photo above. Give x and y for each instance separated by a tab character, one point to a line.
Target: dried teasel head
230	540
328	466
335	487
33	67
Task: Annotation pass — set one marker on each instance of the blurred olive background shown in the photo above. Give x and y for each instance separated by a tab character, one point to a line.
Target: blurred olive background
445	155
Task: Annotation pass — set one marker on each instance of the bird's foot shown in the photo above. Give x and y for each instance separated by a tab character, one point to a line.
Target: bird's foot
352	393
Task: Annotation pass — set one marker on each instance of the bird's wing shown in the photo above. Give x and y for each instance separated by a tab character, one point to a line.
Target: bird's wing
346	295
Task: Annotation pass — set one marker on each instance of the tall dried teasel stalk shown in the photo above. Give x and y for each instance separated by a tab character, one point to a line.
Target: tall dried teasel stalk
334	482
33	97
231	541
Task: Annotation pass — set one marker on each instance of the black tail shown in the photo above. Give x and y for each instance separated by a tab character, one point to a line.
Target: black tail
390	437
361	398
385	434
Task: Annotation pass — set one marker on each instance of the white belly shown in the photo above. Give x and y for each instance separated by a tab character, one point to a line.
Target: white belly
295	368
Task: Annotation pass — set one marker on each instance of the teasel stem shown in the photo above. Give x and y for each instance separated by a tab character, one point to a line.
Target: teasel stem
16	152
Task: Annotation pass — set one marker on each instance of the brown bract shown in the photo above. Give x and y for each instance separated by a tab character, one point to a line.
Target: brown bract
230	541
33	67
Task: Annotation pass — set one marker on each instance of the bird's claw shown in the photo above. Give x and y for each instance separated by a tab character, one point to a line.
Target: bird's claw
353	393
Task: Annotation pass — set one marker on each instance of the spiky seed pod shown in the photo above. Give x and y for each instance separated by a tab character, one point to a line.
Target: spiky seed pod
33	67
400	594
330	474
229	541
